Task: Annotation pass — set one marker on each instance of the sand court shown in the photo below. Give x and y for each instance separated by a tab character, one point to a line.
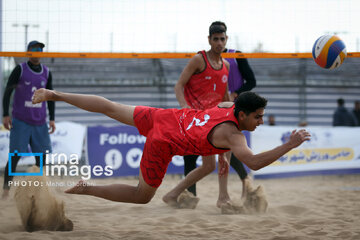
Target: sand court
318	207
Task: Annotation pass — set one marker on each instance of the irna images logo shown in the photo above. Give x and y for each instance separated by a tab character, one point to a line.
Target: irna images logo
61	164
16	154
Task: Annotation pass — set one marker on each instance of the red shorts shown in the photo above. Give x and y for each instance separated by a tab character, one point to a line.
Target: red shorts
157	152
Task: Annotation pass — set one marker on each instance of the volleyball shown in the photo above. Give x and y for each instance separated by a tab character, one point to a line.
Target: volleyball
329	51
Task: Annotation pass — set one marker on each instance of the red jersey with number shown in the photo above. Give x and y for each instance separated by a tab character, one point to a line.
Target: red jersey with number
206	89
172	132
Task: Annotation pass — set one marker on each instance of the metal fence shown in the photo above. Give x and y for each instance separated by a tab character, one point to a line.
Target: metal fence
297	89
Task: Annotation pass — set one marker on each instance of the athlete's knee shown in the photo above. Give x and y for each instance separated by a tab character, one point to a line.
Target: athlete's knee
143	195
209	167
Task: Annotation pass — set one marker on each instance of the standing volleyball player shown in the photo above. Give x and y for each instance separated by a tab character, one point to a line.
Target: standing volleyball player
28	122
202	85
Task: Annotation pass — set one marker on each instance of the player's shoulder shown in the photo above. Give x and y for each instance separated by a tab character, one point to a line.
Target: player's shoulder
227	130
197	60
198	56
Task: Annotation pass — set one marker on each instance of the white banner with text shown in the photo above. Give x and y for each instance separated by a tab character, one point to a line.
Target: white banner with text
330	150
67	139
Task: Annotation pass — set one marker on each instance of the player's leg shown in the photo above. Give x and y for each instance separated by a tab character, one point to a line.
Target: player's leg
153	167
189	165
195	175
141	194
92	103
19	140
40	142
223	197
241	171
7	178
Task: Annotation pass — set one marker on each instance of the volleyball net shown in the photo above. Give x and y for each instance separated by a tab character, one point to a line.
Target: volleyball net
173	29
130	28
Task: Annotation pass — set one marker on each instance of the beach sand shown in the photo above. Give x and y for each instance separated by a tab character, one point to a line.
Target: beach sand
317	207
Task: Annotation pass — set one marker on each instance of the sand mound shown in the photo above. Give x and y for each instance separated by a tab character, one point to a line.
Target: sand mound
38	208
187	200
255	201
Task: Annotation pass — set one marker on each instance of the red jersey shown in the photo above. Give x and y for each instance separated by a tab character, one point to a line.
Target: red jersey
206	89
172	132
196	126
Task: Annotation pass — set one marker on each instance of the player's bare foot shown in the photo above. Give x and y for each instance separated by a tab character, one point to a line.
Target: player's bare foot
232	208
79	188
42	95
222	201
184	200
170	200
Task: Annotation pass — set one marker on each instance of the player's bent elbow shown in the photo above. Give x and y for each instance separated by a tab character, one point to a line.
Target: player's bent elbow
248	161
255	167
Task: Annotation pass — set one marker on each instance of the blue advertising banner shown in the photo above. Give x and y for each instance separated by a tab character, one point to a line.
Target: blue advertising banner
121	147
118	146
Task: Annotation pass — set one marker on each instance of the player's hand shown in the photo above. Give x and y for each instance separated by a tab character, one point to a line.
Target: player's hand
7	122
298	137
52	127
223	167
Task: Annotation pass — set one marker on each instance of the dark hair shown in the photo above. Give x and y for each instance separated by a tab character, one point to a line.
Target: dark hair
248	102
217	27
340	101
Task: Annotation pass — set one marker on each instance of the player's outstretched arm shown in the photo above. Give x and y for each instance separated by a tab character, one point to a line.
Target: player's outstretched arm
257	161
92	103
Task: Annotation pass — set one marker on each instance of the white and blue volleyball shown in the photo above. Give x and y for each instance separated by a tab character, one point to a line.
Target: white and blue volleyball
329	51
